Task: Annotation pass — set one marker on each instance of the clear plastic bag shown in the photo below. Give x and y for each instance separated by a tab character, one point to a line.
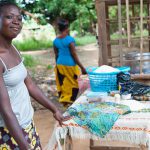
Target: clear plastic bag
84	83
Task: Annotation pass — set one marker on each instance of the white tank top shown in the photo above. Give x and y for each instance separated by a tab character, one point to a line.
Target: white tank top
18	94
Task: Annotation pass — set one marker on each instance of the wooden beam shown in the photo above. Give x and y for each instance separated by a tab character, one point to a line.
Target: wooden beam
129	60
114	2
102	32
141	35
31	15
108	31
132	23
100	58
128	23
120	31
91	144
148	22
140	76
132	19
132	38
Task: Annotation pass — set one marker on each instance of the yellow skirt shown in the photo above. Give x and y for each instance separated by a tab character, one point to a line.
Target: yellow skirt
67	82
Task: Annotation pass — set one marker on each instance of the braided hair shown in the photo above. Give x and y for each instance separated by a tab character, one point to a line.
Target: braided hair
5	3
62	25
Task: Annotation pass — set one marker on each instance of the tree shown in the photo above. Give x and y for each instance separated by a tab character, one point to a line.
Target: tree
80	13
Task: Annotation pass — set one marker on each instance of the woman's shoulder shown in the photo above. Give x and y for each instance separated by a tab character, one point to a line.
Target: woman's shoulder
55	40
70	39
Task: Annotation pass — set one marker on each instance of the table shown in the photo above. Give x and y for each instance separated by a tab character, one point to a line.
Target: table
133	128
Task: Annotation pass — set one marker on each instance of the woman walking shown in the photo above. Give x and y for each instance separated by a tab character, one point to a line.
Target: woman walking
67	63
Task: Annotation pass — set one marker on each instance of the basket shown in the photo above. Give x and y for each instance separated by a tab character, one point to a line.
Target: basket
104	82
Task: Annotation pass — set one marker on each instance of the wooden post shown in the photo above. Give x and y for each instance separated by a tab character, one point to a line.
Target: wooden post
132	23
128	23
148	5
100	58
140	76
108	31
120	32
102	33
141	36
143	147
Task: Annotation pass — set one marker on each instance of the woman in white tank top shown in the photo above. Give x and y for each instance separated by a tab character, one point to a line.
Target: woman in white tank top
16	87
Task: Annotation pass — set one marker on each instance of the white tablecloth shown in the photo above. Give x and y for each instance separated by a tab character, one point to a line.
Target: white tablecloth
133	128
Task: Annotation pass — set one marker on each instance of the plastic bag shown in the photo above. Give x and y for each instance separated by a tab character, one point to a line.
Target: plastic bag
84	83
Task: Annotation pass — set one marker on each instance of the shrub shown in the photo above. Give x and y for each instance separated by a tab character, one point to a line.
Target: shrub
29	61
49	67
33	44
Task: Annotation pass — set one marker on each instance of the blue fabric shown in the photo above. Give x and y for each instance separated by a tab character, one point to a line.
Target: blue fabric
64	54
99	118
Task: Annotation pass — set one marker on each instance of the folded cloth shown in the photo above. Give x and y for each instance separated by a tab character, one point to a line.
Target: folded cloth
131	87
98	118
144	97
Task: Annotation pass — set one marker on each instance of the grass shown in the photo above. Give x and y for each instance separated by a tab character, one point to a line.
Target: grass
80	41
33	44
136	34
30	61
49	67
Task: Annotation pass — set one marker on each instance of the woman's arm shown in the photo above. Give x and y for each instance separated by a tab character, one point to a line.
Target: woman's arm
56	53
40	97
9	116
74	55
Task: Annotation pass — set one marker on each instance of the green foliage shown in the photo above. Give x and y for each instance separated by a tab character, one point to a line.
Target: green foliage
82	12
33	44
116	36
113	14
138	33
49	67
29	61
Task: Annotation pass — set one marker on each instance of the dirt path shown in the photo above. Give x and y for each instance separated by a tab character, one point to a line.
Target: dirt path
45	123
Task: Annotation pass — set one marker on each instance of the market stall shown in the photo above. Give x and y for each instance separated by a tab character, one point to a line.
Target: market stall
132	128
137	57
